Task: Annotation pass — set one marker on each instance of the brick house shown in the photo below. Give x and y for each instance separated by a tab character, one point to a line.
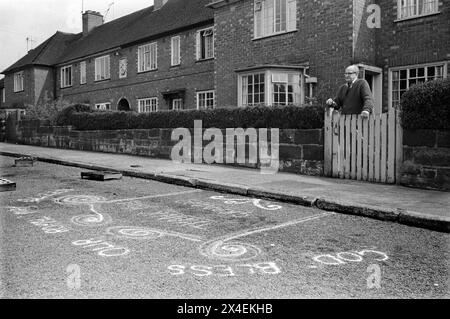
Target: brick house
204	53
145	61
301	48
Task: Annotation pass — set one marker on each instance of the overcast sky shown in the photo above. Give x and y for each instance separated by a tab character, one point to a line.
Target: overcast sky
40	19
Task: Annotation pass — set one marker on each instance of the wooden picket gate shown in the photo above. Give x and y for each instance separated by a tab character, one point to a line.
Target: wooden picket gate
363	149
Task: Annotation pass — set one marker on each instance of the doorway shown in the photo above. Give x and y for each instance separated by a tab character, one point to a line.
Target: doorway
374	76
123	105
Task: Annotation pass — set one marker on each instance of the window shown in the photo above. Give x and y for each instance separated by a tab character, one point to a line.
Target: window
66	76
253	89
148	105
3	95
147	57
177	104
103	106
270	87
18	81
83	72
206	100
274	16
205	44
102	68
403	79
286	89
175	51
123	66
416	8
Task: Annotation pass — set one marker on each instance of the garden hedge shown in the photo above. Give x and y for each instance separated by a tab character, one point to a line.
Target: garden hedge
286	117
427	106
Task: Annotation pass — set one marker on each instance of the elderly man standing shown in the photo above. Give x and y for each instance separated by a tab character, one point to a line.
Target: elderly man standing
355	96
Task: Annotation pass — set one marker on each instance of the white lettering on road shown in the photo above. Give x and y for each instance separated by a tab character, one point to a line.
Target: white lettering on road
343	258
264	268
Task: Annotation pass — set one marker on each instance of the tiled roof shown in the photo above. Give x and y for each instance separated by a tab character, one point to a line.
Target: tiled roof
140	25
132	28
46	53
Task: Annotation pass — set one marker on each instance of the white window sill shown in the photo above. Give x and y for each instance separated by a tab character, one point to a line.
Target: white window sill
417	17
206	59
274	35
146	71
103	80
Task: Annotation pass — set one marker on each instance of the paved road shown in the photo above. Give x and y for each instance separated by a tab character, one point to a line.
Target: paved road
67	237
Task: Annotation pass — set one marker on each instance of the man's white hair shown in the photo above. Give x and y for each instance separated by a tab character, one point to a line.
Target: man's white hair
353	68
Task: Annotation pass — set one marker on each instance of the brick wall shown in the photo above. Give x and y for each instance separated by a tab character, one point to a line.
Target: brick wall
44	84
426	159
411	42
23	98
363	36
323	38
300	151
191	75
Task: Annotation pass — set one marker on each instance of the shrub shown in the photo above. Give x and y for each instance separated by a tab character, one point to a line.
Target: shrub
427	106
286	117
63	116
47	111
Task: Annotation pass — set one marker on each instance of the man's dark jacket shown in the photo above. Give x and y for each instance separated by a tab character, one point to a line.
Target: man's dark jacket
354	99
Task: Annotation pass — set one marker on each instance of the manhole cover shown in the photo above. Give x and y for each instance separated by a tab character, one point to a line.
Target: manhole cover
101	176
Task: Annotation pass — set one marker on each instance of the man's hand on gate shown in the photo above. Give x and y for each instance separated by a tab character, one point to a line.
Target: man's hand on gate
365	114
331	103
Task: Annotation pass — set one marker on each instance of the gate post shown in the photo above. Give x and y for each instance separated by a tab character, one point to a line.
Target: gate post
328	140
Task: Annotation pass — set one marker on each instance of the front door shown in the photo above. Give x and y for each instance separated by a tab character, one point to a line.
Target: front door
374	76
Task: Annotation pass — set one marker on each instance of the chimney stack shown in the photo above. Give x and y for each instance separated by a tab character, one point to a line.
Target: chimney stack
158	4
91	20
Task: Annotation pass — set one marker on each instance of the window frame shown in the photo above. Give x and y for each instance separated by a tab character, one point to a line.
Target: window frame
98	76
142	67
298	97
83	74
206	99
64	81
150	100
105	106
180	104
417	15
444	65
173	61
198	45
18	78
259	22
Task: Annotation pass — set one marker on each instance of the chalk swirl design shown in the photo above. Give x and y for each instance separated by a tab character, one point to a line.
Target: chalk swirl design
229	251
80	199
91	220
135	232
255	201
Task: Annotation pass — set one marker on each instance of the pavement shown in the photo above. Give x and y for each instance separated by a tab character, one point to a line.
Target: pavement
414	207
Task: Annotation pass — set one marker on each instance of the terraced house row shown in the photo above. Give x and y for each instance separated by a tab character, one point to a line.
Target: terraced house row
184	54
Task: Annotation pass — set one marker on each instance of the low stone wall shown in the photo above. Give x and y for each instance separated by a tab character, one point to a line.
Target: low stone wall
426	159
300	151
